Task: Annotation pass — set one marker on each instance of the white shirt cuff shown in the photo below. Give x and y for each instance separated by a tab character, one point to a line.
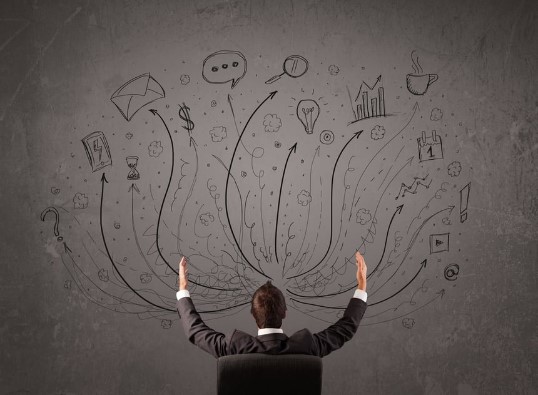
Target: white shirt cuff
183	294
360	294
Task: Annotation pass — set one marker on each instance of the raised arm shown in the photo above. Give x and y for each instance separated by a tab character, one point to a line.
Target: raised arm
196	330
334	337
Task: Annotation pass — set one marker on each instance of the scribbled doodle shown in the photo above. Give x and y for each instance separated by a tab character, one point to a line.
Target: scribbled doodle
213	103
224	66
103	275
454	169
436	114
54	211
155	149
308	113
294	66
418	82
243	173
184	79
430	147
334	69
377	133
54	190
137	93
218	133
452	271
363	216
439	242
145	278
367	103
128	135
278	144
464	202
80	201
132	163
166	324
117	225
417	181
67	284
184	114
97	151
408	323
446	221
272	123
206	219
304	198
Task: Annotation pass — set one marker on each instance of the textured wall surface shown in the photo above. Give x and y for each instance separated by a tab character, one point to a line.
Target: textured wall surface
404	129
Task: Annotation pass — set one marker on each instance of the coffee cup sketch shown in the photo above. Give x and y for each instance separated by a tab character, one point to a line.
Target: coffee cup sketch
418	84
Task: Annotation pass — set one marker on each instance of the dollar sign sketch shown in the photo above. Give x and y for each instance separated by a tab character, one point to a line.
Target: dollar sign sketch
184	114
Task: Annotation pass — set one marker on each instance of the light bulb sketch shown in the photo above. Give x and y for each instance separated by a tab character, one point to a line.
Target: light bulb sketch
308	113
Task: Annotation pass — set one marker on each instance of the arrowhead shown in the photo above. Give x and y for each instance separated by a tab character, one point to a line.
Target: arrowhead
317	150
154	112
134	187
441	292
192	141
272	94
423	263
416	106
103	178
378	78
410	160
293	147
66	248
399	209
357	134
451	208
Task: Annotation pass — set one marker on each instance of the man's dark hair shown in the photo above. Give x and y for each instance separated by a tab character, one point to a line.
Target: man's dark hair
268	306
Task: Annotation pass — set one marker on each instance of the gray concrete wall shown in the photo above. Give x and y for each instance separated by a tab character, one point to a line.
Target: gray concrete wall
437	187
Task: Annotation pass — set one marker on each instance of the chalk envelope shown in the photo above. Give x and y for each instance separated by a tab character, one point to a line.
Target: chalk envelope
136	93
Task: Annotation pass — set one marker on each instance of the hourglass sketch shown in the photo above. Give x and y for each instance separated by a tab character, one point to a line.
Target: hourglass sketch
132	162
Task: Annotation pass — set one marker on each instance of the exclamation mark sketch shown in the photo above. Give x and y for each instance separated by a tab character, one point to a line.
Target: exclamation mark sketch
464	202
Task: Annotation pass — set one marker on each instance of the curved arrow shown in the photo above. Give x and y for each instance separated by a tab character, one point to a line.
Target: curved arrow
350	287
154	112
422	266
415	108
398	211
440	293
411	243
316	153
271	95
192	143
356	135
103	180
293	148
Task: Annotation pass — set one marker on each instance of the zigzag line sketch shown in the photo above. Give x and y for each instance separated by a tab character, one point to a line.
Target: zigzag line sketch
424	181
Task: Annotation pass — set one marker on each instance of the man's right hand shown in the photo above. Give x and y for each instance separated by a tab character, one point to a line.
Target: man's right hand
361	271
183	281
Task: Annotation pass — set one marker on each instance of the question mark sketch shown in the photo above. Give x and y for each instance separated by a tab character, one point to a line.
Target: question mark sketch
56	221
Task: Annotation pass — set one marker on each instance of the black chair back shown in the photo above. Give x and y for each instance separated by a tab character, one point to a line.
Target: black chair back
261	374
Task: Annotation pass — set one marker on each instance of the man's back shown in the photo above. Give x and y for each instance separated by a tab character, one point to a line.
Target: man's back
301	342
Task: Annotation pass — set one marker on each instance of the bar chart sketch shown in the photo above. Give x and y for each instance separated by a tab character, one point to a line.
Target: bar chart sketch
369	102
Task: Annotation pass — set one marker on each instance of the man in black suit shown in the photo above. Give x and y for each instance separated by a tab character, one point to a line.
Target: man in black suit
269	309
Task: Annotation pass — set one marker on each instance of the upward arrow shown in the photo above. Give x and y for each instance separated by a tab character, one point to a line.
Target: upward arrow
103	181
270	97
155	112
356	135
291	149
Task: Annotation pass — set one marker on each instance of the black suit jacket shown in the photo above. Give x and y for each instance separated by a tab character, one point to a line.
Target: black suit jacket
301	342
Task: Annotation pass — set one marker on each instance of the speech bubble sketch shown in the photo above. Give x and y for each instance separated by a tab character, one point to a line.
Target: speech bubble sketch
224	66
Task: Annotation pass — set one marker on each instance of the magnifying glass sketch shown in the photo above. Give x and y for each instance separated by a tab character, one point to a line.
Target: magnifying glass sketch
294	66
